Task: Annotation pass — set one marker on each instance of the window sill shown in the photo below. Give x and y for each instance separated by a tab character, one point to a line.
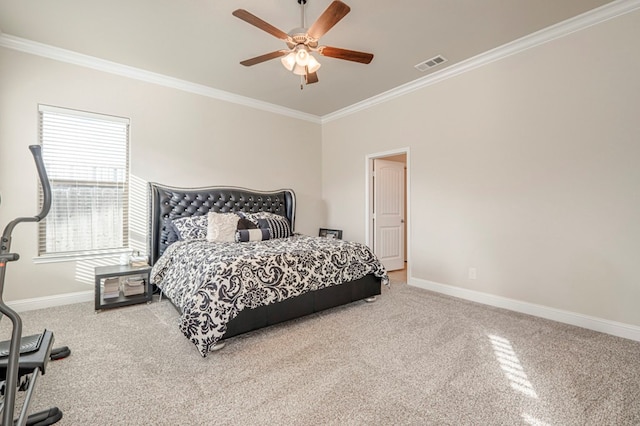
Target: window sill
55	258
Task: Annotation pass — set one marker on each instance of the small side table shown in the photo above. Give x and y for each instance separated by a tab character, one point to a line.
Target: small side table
120	273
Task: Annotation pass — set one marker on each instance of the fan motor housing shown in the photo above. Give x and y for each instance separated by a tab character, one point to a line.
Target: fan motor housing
300	36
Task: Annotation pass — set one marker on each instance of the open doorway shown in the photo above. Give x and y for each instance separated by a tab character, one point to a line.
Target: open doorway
387	212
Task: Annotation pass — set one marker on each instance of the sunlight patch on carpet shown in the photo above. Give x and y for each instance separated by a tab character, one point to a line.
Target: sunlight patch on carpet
510	364
530	420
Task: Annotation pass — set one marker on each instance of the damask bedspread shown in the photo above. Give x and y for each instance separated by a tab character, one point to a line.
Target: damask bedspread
211	282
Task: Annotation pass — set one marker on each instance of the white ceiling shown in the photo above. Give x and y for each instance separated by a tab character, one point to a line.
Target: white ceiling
199	41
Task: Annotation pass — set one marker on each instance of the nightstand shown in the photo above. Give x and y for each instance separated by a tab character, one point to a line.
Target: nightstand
121	285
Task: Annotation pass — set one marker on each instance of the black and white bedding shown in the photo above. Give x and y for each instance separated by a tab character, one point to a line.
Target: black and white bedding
212	281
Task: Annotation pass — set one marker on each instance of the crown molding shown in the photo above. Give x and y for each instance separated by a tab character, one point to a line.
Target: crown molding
75	58
562	29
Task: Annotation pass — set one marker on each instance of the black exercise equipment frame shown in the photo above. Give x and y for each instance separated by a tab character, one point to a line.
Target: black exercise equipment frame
18	366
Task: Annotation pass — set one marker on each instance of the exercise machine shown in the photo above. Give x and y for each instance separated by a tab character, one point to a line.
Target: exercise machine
23	359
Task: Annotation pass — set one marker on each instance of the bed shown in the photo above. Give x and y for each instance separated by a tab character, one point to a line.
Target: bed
224	288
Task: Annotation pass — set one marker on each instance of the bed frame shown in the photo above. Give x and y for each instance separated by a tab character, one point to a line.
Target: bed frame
170	203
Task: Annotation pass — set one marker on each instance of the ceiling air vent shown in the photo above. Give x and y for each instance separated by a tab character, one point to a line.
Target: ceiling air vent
430	63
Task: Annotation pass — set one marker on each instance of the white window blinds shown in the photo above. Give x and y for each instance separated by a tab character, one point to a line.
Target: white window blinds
87	160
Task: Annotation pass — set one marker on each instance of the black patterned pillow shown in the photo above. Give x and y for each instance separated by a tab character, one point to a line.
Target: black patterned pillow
191	228
277	225
246	219
244	223
254	217
246	235
172	232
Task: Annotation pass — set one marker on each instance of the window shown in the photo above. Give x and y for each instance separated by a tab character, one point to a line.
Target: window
87	160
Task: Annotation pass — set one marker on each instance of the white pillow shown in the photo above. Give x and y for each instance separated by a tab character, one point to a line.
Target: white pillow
222	226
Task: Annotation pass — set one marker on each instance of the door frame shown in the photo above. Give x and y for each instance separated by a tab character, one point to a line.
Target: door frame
368	194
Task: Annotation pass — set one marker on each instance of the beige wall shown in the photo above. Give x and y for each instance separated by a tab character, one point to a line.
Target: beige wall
526	169
177	138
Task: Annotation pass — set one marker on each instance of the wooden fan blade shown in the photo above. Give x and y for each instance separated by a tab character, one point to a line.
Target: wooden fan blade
263	58
349	55
331	16
311	77
259	23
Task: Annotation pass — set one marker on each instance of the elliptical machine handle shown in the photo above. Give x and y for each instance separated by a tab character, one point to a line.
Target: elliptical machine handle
36	151
5	242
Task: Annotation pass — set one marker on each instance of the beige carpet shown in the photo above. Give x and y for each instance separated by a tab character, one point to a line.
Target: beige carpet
412	357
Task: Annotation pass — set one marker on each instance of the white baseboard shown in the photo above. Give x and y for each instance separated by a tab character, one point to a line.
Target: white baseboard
614	328
49	301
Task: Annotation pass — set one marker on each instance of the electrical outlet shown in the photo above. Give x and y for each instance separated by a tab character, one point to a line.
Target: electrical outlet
473	273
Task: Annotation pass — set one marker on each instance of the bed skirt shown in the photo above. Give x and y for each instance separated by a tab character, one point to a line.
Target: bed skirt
304	304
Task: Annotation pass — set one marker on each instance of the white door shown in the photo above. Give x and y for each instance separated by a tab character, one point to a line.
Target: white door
388	214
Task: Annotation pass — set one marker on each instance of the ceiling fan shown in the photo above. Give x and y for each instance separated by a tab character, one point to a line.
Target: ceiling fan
301	42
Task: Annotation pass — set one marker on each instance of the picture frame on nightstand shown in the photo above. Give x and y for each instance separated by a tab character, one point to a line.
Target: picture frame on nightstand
331	233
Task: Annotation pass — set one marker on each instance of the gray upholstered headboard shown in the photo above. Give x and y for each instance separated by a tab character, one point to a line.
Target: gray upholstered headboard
168	203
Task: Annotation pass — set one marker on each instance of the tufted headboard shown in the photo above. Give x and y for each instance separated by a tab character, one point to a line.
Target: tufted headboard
168	203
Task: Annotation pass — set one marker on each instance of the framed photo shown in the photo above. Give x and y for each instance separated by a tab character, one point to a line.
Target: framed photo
331	233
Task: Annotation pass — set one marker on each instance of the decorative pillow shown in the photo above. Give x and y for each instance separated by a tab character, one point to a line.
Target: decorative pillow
277	225
246	235
172	232
244	223
254	217
222	226
191	228
247	218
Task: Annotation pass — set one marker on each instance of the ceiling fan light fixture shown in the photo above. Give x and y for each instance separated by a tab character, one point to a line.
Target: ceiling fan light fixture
313	64
289	61
300	70
302	55
300	61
